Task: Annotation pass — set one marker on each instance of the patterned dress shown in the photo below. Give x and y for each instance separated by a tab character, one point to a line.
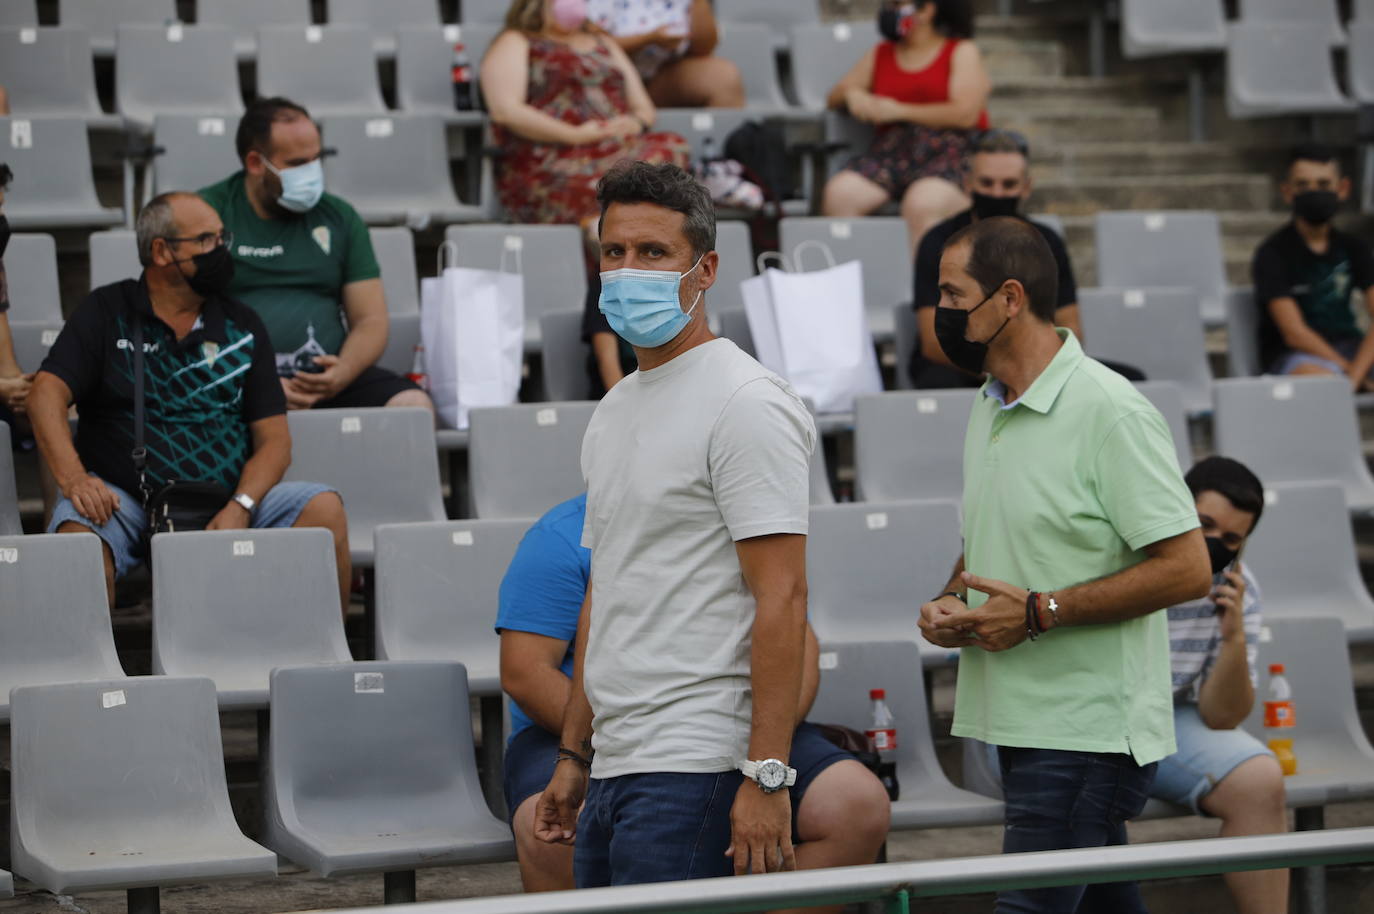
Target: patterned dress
556	183
638	17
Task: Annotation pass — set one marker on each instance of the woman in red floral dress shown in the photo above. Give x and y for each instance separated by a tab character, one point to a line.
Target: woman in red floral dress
567	104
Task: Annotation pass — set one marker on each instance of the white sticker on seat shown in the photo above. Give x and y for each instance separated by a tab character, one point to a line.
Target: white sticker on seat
1283	390
21	134
314	34
174	32
379	128
350	425
48	337
828	660
1271	497
113	699
1133	298
703	121
210	126
453	34
462	537
841	230
369	682
9	555
842	31
927	405
1266	634
28	36
243	547
1155	222
515	243
877	520
546	417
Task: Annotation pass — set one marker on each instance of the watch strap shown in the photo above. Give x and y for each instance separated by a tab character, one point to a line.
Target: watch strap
245	501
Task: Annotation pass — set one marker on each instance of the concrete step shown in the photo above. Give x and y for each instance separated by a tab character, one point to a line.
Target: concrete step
1084	195
1087	160
1059	91
1009	58
1049	127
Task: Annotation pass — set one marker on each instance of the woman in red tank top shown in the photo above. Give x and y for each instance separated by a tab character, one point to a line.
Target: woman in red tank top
924	90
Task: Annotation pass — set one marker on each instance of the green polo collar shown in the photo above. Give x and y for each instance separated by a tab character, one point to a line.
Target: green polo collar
1045	389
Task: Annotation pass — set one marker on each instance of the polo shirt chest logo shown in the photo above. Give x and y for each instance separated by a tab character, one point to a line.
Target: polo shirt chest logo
321	235
210	350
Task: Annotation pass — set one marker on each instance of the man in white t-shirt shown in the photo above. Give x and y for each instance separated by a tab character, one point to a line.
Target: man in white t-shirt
690	644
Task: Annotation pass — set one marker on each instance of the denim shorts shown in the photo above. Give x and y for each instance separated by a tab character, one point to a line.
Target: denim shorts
123	532
1292	360
1204	757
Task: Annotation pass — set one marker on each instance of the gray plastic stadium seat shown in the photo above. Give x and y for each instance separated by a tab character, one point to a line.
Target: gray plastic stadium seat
234	605
910	445
549	256
1281	68
706	129
31	272
1158	330
742	44
393	168
382	19
245	17
121	785
9	492
734	326
1154	27
102	17
18	13
32	340
394	743
1242	333
483	11
871	566
1335	760
524	459
196	151
395	250
736	251
1317	12
424	56
48	72
905	333
880	242
564	356
848	672
56	623
1167	397
201	56
6	884
1136	249
1303	555
825	53
1052	221
779	15
437	593
382	461
330	69
1360	62
54	185
1294	429
114	257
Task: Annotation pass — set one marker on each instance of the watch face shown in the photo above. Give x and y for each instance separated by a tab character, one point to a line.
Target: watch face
772	774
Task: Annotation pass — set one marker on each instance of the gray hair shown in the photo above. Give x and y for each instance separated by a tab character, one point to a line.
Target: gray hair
155	220
664	185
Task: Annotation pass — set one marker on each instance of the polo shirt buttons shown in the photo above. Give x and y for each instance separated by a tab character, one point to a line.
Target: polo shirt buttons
996	438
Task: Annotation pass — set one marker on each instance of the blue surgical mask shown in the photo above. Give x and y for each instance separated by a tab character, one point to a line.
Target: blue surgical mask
644	307
301	186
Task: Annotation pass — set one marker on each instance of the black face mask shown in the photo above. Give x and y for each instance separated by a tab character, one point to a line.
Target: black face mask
950	326
214	272
985	207
4	234
894	22
1219	554
1316	207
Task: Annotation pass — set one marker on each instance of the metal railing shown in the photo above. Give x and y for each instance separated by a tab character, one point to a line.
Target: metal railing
894	884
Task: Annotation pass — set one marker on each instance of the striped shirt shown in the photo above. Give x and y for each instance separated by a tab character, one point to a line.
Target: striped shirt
1195	639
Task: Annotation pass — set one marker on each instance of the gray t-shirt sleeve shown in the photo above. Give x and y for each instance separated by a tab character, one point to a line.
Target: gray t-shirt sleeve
760	458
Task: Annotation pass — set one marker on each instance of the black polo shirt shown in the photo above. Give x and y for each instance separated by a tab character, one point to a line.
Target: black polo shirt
200	394
926	278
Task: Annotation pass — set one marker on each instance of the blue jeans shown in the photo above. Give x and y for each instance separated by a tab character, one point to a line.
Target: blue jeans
655	828
1060	799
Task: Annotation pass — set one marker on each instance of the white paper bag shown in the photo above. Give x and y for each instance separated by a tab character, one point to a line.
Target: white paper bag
812	329
472	325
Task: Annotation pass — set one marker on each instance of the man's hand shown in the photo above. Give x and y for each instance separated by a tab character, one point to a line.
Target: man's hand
761	831
90	496
232	516
945	622
1000	623
14	392
1230	601
296	398
325	384
555	815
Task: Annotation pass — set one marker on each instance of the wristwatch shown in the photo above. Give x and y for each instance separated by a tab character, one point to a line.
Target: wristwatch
245	501
770	774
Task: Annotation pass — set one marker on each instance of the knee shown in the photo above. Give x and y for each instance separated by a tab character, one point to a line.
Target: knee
325	510
931	198
71	526
872	811
725	84
847	805
1254	785
412	398
841	199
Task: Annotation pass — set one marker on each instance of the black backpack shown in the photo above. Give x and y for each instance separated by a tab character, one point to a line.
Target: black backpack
762	152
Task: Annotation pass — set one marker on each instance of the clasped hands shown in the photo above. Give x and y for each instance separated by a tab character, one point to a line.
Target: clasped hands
998	624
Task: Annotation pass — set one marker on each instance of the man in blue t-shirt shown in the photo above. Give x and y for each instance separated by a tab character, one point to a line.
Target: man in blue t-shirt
840	810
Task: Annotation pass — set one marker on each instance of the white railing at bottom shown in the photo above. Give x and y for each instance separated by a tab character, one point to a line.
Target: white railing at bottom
896	883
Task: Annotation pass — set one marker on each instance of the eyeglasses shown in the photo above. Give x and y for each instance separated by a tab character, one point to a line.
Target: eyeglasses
997	136
204	239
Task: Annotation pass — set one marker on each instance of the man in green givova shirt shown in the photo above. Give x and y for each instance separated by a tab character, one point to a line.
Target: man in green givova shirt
303	260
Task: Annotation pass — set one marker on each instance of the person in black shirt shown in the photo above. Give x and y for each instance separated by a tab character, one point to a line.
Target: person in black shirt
1304	274
215	411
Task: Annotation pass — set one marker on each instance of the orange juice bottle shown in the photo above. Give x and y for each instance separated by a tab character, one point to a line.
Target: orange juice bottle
1280	719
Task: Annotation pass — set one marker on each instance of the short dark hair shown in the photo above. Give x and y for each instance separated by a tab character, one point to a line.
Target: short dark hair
1006	247
663	185
6	176
1312	152
255	127
953	18
1230	479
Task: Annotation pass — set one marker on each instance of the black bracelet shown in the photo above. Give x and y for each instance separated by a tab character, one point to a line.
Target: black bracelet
566	753
1033	629
954	594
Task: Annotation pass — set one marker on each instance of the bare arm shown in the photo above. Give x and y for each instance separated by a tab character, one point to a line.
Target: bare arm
1364	356
505	83
774	568
555	816
607	350
811	674
969	88
531	676
1297	335
1227	694
271	457
14	384
9	364
860	76
702	30
48	403
641	106
1067	317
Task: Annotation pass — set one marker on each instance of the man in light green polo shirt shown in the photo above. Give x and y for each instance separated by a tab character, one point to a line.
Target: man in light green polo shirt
1078	529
